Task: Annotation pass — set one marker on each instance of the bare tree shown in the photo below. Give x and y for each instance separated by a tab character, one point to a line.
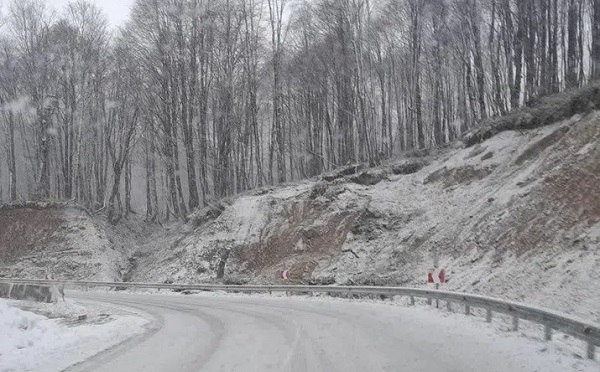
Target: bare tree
123	122
229	95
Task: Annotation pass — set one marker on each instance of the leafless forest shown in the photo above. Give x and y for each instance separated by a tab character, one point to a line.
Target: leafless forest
209	98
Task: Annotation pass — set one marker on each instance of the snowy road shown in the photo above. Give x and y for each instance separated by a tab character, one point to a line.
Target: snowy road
220	333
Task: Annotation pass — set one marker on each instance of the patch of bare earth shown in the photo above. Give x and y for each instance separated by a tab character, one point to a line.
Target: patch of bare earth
458	176
537	148
567	199
27	231
308	236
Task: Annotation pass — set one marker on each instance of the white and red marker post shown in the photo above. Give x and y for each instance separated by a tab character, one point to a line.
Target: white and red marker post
283	274
436	276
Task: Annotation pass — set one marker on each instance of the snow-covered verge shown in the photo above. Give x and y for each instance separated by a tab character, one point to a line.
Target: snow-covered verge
32	342
525	350
516	216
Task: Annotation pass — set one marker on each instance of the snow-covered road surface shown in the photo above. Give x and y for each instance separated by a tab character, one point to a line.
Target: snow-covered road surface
221	333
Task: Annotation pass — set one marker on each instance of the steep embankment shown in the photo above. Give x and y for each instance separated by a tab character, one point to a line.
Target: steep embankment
517	216
38	240
514	212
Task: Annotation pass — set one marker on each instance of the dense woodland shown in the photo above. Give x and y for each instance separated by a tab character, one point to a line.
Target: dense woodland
208	98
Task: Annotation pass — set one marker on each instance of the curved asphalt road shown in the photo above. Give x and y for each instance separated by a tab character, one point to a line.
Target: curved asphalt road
206	333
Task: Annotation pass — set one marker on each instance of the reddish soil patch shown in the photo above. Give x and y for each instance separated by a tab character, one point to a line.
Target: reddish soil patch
303	269
25	231
537	148
567	198
570	198
302	239
458	176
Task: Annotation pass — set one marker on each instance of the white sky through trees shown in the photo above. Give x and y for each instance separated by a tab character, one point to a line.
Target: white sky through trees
117	11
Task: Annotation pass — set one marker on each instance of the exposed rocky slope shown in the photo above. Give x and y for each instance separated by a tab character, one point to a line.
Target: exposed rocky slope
40	240
517	216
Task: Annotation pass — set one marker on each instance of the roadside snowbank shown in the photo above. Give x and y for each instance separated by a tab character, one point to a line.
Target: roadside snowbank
32	342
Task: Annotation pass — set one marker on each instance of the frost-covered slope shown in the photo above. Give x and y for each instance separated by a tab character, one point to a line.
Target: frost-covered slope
517	216
40	240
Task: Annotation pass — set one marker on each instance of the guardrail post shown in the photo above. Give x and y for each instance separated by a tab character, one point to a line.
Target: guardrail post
591	350
515	323
488	316
467	309
449	305
412	300
429	301
547	332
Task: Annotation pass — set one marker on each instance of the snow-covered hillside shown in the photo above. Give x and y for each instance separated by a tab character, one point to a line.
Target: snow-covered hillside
40	240
517	216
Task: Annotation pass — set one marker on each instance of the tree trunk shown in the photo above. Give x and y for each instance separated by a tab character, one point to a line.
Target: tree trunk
128	208
596	40
114	193
11	159
478	59
572	47
43	187
515	95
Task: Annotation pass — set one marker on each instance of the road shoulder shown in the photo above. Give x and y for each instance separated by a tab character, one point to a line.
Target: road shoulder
53	337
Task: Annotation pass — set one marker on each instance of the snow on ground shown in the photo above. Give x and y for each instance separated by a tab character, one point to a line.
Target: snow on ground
62	241
32	342
525	349
449	337
565	348
515	217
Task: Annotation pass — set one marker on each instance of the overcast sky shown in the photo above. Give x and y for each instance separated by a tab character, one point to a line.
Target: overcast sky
117	11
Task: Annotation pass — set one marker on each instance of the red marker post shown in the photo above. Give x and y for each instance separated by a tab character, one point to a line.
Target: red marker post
438	279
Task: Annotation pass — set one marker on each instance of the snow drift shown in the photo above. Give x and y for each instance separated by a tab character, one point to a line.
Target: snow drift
32	342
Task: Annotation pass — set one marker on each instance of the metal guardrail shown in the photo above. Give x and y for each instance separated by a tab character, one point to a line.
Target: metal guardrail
588	332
